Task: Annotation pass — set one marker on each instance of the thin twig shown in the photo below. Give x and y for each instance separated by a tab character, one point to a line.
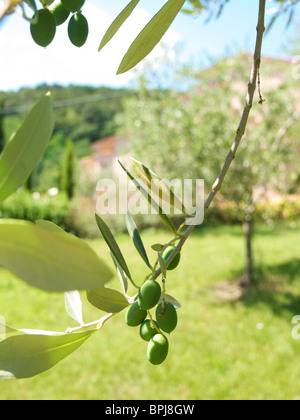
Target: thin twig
96	324
261	99
239	133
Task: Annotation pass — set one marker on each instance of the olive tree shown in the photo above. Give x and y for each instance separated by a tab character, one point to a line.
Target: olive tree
197	127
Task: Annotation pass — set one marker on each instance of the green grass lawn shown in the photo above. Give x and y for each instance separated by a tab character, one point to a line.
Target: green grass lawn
221	349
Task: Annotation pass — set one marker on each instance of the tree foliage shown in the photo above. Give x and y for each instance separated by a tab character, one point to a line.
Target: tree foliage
197	127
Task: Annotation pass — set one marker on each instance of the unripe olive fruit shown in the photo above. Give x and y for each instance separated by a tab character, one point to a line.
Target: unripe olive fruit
149	294
135	315
167	252
158	348
60	13
78	29
73	5
147	331
166	317
43	31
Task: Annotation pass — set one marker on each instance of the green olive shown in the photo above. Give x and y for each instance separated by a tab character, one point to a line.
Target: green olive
166	317
158	348
43	31
60	13
73	5
147	331
135	315
78	29
167	252
149	294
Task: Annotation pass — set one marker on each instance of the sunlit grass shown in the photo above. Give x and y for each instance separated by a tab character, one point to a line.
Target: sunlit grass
220	350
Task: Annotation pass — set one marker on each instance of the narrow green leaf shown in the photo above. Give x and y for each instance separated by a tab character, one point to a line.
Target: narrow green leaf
157	247
121	274
108	300
169	298
26	355
117	23
290	18
271	23
150	199
50	260
136	238
150	36
112	244
162	265
187	11
26	147
158	186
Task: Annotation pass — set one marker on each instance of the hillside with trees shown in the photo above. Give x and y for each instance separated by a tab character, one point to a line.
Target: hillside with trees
83	114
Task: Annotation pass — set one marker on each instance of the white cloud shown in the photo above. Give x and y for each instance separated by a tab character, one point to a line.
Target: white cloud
25	64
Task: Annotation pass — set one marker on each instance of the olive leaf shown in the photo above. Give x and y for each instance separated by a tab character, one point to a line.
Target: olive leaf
73	306
121	274
157	247
144	190
136	238
170	299
149	37
158	186
26	353
108	300
117	23
162	265
26	147
112	244
49	259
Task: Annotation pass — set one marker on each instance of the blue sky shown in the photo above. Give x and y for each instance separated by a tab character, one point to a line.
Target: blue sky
25	64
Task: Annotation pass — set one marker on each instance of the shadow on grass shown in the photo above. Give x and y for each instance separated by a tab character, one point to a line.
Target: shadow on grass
276	286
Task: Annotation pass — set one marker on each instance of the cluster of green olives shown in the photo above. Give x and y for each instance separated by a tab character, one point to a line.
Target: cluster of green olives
45	21
151	330
165	321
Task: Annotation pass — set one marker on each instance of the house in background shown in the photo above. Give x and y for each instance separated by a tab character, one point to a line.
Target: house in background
104	158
